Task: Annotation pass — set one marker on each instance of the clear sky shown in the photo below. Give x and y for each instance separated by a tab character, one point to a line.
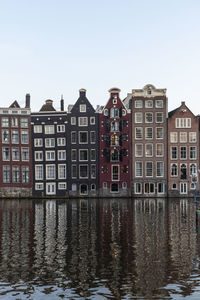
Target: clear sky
54	47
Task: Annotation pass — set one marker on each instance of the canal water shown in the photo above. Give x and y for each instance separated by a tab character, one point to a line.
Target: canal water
99	249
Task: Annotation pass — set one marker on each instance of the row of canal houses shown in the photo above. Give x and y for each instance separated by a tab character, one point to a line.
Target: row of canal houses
126	148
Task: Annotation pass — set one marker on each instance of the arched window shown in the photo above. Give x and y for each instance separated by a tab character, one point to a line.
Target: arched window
174	170
193	169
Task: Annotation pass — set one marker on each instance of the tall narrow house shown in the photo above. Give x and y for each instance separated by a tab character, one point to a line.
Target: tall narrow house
15	150
82	148
49	150
183	149
114	156
149	140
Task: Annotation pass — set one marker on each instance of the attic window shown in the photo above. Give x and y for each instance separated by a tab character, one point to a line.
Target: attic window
148	92
82	108
115	100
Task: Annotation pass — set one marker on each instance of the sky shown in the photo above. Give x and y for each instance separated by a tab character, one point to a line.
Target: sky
50	48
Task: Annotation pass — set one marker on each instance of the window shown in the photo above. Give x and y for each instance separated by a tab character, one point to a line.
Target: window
93	154
149	169
149	133
93	187
138	133
83	188
73	120
14	122
25	174
38	142
159	132
183	137
149	104
15	154
174	186
138	150
15	174
123	111
114	155
183	171
192	186
60	128
124	185
61	171
159	103
24	136
193	169
114	126
138	188
174	152
4	122
50	172
149	188
50	155
37	128
106	112
38	155
174	170
93	171
83	155
149	150
6	154
183	188
39	186
92	120
138	169
183	152
138	104
61	141
5	136
159	169
114	112
148	117
74	171
74	187
114	188
183	122
159	117
83	121
38	172
193	153
104	185
114	140
159	150
73	137
92	137
173	137
62	186
192	137
50	188
83	171
115	172
115	100
138	117
73	154
24	122
15	136
61	155
6	174
82	107
83	137
49	129
160	188
49	142
25	154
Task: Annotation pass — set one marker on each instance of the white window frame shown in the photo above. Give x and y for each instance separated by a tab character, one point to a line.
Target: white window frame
47	175
60	153
37	177
82	108
112	174
37	128
86	177
38	142
141	168
62	185
40	153
138	117
39	186
79	133
173	137
49	129
92	120
85	150
138	104
52	155
51	140
60	128
61	141
159	105
146	171
59	171
73	120
82	121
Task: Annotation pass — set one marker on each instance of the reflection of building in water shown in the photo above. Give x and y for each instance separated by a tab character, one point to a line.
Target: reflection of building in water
61	236
150	245
182	237
16	239
39	234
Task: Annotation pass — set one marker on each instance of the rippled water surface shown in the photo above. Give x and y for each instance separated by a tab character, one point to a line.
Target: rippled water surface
99	249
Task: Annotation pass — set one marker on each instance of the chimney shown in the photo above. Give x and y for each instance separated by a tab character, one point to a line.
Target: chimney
62	103
182	102
82	92
28	98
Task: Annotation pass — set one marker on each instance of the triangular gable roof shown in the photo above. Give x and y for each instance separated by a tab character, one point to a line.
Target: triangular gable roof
110	99
15	104
172	112
82	100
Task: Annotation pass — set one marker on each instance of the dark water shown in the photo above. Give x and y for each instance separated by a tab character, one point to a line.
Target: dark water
99	249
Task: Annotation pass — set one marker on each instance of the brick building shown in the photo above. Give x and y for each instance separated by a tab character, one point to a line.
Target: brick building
114	156
82	148
49	150
148	140
183	150
15	150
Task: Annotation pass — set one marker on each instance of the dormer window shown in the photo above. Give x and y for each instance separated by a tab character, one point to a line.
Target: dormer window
82	107
148	92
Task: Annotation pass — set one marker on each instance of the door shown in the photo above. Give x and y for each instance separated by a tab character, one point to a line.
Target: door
50	188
